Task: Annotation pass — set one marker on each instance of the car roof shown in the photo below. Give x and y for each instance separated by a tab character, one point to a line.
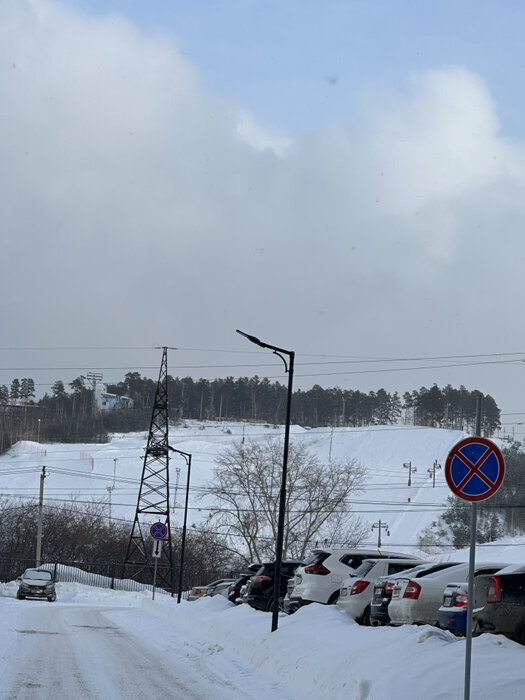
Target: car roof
294	562
38	571
395	560
511	569
378	553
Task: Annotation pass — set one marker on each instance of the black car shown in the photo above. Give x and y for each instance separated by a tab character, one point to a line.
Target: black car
36	583
259	589
235	588
499	604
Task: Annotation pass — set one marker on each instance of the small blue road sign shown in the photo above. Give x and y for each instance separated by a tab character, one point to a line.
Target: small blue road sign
158	531
474	469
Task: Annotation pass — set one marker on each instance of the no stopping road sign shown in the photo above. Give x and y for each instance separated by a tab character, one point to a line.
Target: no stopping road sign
474	469
158	531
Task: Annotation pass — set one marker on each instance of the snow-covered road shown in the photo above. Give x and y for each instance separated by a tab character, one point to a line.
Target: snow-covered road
73	651
110	645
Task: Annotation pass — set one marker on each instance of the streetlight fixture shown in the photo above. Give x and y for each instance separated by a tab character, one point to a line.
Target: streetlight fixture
432	472
187	458
408	465
288	366
378	526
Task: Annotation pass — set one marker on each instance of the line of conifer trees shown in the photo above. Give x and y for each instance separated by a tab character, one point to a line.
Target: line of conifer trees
71	416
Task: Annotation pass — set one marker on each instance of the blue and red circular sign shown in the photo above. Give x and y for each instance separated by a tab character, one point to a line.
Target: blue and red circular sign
474	469
158	531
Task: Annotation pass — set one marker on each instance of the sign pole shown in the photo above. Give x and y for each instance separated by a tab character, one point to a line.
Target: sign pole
474	471
154	578
159	532
471	568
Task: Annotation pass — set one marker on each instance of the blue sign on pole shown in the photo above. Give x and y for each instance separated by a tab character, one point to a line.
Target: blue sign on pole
158	531
474	469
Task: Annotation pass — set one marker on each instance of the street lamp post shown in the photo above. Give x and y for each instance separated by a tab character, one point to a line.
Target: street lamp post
408	465
379	525
432	472
187	457
289	366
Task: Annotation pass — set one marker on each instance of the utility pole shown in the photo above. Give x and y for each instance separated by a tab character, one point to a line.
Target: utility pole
40	514
379	525
408	465
94	377
432	471
109	489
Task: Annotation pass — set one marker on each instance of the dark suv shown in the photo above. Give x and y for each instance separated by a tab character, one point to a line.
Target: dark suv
36	583
259	590
499	603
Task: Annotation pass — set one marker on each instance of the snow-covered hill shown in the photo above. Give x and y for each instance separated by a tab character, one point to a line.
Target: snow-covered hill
85	471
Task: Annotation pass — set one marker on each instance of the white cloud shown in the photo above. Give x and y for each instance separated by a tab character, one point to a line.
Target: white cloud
258	137
137	200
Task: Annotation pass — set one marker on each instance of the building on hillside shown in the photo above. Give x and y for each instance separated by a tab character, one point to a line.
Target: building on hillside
105	401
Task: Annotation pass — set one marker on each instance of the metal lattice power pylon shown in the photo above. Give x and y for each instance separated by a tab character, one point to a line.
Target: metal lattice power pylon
153	500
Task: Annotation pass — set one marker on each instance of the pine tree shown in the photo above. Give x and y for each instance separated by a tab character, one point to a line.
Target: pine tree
15	390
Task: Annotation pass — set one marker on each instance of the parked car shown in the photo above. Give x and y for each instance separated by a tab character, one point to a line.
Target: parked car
242	592
383	587
234	592
198	591
452	615
37	583
319	579
356	591
220	589
259	588
499	603
417	601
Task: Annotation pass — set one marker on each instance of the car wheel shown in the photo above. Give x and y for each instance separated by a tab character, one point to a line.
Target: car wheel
20	596
333	598
269	607
365	620
52	598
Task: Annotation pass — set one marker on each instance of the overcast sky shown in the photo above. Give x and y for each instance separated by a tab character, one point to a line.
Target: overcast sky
343	179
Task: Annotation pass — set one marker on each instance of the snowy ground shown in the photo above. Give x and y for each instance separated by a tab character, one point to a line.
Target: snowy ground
102	644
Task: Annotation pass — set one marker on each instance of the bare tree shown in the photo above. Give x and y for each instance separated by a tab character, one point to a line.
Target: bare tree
246	487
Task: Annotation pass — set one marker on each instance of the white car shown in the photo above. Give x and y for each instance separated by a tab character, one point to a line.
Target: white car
356	592
416	601
319	579
222	588
199	591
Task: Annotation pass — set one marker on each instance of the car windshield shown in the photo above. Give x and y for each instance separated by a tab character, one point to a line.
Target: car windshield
34	574
316	558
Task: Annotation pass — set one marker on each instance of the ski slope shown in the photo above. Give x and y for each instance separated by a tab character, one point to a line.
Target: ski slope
112	471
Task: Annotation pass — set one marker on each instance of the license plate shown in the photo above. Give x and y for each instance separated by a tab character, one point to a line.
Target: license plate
378	591
447	600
